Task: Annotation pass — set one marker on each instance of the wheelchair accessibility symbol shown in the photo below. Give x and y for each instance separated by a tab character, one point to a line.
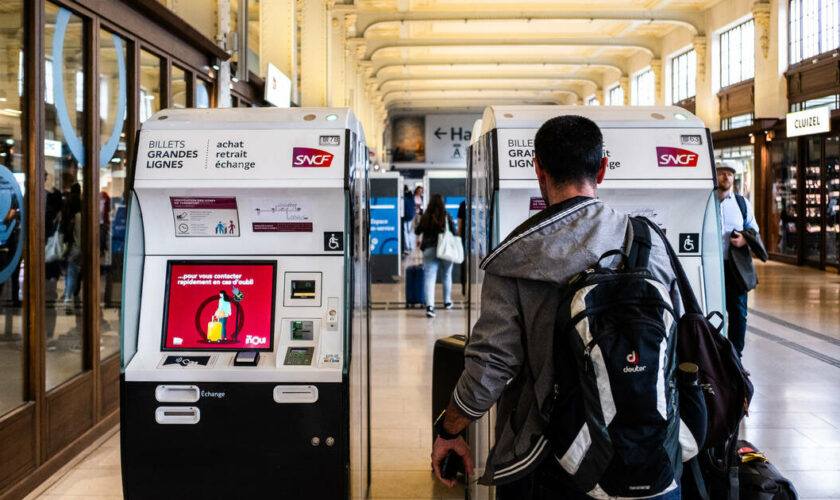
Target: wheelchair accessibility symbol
333	241
689	242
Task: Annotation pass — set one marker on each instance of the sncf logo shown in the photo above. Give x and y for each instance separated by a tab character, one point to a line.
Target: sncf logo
633	358
676	157
309	157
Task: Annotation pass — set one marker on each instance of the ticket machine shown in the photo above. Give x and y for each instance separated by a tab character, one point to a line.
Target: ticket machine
660	165
245	322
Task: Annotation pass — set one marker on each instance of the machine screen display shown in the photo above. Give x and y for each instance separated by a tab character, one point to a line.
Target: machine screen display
219	305
303	289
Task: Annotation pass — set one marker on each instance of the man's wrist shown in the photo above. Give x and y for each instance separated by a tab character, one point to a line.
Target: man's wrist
440	429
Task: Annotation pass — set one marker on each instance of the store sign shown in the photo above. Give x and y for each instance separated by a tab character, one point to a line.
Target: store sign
278	87
810	121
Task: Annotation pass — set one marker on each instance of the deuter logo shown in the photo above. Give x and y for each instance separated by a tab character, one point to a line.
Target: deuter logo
309	157
676	157
633	359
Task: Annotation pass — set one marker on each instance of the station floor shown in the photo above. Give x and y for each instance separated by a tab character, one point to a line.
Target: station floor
792	350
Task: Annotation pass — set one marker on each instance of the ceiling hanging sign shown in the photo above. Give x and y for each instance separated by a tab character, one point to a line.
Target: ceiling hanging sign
808	122
278	87
447	139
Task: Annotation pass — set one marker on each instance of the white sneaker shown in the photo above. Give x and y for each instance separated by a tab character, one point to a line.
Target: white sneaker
430	312
448	305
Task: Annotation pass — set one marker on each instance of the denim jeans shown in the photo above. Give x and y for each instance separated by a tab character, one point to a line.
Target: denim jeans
546	484
72	280
736	309
430	272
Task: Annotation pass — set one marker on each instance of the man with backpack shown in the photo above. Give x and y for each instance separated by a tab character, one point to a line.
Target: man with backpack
737	221
576	343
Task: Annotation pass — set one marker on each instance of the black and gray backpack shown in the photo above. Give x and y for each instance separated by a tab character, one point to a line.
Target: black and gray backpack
615	425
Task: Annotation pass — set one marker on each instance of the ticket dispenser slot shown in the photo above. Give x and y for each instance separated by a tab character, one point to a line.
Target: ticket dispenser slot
177	415
295	394
177	393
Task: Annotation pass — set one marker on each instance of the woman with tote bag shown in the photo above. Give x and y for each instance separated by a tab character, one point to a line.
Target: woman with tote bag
435	222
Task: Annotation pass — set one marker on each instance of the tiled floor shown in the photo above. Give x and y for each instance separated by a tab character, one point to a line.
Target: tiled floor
795	416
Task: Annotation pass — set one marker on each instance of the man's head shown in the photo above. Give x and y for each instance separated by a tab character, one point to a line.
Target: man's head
725	176
569	155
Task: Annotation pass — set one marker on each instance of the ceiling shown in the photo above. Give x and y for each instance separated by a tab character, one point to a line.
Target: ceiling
463	55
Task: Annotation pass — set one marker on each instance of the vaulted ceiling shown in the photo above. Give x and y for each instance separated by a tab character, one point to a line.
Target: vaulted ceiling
462	54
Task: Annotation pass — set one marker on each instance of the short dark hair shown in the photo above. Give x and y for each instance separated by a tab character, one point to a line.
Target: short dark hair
570	148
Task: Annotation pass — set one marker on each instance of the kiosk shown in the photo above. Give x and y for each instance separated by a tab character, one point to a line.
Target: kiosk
245	323
661	166
386	227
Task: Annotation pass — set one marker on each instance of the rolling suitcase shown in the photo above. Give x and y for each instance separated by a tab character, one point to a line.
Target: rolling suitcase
759	479
414	289
447	365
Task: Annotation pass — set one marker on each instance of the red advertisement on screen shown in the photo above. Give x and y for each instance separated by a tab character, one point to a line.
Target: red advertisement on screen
219	306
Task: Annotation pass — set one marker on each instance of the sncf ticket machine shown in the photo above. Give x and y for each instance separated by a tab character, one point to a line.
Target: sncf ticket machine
245	325
660	165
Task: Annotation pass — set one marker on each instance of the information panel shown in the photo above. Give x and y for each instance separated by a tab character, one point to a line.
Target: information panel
384	226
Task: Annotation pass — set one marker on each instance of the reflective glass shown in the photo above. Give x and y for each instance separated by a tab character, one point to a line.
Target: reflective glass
202	93
179	88
12	233
813	200
113	167
783	237
149	85
832	205
64	127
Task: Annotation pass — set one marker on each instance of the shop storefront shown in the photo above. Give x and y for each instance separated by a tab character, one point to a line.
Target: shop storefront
78	79
803	187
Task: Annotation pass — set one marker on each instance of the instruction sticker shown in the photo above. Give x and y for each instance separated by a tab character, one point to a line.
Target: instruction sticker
270	215
205	216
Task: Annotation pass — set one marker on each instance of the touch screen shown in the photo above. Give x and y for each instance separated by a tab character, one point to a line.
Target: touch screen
219	305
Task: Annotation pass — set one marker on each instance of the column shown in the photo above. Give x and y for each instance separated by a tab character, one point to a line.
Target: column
705	105
313	53
770	84
656	67
223	74
624	83
278	43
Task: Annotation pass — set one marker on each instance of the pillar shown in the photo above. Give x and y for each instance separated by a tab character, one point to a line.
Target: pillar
770	83
313	53
278	43
624	83
223	74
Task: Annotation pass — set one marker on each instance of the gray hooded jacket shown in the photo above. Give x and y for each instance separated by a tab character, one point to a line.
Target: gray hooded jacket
509	356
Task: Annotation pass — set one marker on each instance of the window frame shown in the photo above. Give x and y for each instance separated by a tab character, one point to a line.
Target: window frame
689	84
726	53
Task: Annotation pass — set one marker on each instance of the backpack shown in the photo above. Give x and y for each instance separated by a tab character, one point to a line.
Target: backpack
615	424
727	389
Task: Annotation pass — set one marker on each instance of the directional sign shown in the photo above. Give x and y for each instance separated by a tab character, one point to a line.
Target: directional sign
447	139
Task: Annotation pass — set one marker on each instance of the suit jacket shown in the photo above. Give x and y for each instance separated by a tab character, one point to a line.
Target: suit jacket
741	260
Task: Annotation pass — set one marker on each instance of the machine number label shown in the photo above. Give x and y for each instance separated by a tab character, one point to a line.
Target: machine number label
689	242
333	241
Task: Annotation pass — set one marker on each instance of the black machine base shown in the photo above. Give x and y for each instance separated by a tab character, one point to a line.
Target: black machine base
245	445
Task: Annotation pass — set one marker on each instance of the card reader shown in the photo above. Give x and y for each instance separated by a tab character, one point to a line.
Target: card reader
246	358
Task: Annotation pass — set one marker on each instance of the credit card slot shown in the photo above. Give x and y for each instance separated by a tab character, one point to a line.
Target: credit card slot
177	393
177	415
295	394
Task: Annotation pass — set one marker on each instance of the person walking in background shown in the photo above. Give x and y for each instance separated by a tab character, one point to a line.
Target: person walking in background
432	224
408	217
737	221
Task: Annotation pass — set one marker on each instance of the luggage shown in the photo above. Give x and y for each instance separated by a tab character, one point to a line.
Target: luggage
759	479
414	289
728	390
614	415
447	365
214	331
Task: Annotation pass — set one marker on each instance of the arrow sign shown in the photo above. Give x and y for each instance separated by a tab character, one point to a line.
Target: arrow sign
439	133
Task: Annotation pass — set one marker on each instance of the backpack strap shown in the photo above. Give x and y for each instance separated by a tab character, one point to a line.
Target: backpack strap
639	254
742	204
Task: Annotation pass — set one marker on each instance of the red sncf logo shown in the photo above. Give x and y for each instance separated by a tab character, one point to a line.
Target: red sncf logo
309	157
676	157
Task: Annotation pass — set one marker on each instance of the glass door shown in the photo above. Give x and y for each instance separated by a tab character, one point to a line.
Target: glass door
783	235
813	201
832	205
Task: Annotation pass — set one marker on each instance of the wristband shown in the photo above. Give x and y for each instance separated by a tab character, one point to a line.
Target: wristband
440	431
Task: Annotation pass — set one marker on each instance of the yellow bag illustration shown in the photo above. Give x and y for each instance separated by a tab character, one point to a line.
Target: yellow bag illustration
214	331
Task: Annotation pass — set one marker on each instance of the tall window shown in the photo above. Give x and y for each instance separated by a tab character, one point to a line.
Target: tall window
813	28
683	76
644	89
615	97
737	54
593	101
